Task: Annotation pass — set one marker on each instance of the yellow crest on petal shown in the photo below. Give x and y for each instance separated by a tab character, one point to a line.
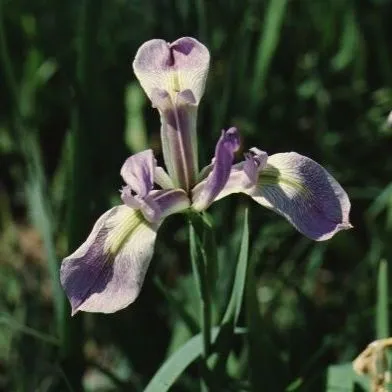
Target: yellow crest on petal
121	226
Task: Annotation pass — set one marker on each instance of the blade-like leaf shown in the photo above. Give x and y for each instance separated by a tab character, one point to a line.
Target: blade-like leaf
342	378
230	318
382	319
234	307
179	307
268	43
174	366
265	361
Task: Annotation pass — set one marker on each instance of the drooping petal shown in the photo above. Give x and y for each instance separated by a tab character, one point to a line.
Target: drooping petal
305	194
205	192
138	172
297	188
174	67
106	272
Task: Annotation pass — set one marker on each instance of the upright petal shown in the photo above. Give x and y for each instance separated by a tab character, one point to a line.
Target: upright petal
138	172
173	76
174	67
179	144
106	272
162	179
205	192
305	194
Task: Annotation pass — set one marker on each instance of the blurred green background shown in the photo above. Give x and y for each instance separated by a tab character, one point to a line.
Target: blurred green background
312	76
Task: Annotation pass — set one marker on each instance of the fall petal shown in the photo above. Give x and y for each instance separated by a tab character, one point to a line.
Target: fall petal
106	272
305	194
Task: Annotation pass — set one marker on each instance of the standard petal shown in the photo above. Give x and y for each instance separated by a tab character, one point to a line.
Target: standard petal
105	274
305	194
181	65
138	172
205	192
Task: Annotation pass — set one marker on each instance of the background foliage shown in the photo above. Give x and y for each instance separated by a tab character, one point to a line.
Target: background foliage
312	76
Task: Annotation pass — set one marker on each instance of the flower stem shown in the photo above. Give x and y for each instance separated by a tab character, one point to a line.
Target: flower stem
199	266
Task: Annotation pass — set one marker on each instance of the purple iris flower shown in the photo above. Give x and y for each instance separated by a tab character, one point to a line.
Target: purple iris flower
106	272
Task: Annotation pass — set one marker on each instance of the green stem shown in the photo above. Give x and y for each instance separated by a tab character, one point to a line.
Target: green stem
199	266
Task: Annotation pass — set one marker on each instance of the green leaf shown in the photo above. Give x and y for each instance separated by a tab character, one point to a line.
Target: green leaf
15	325
350	42
268	43
179	307
382	318
174	366
211	253
230	318
234	307
267	370
342	378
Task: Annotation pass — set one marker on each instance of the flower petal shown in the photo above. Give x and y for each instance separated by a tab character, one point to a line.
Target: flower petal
149	208
171	201
173	67
296	187
305	194
162	179
138	172
106	272
179	144
205	192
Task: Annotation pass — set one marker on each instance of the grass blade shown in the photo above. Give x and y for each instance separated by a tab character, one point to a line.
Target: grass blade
230	318
174	366
342	378
382	317
268	43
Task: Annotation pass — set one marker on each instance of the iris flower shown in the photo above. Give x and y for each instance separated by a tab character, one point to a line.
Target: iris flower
106	272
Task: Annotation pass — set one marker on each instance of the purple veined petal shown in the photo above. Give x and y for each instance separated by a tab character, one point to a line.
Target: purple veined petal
255	161
174	67
244	175
106	273
305	194
178	135
204	193
162	179
173	76
138	172
148	207
171	201
179	144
